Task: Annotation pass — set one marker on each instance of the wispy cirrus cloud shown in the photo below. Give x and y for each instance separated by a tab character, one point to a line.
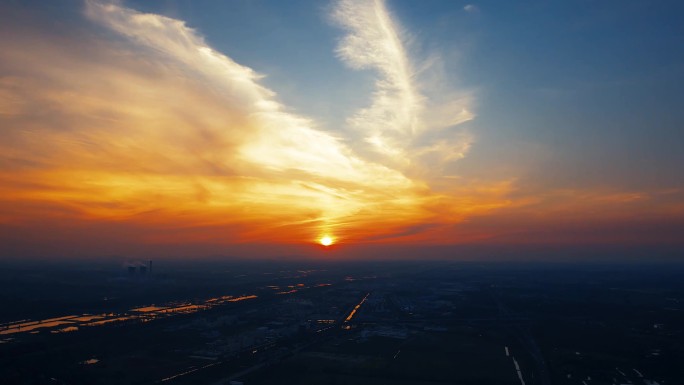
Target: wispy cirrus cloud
152	123
149	126
471	8
401	121
272	137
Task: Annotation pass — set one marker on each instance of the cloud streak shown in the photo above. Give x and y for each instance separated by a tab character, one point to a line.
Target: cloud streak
395	124
152	123
130	128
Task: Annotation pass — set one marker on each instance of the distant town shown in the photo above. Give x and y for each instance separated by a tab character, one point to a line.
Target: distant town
396	323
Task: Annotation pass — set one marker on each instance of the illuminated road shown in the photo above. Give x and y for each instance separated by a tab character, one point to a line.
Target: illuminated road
356	308
72	323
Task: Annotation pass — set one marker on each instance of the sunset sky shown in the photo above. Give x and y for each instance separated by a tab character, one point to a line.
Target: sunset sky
397	128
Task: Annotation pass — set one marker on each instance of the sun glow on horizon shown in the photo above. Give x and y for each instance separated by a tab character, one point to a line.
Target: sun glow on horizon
326	240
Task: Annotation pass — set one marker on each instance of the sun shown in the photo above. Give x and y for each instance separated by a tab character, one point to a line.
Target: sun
326	240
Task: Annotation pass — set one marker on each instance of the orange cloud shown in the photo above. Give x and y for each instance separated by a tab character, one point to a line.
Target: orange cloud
161	126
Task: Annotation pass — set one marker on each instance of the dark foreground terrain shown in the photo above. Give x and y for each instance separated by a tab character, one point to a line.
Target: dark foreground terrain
341	323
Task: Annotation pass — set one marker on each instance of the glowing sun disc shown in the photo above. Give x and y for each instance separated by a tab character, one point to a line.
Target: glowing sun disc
326	241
